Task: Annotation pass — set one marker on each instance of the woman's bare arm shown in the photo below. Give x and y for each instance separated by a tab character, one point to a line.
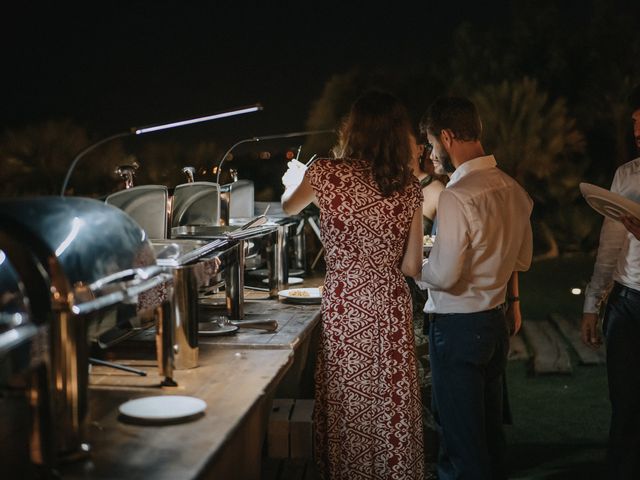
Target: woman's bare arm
411	265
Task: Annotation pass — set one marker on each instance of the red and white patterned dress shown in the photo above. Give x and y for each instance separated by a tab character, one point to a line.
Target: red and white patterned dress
368	407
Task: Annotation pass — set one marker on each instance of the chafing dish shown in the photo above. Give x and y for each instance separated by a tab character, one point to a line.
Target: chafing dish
294	226
260	244
198	266
82	266
148	205
236	200
196	203
25	408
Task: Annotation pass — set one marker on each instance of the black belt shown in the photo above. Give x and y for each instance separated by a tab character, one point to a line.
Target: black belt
625	292
502	306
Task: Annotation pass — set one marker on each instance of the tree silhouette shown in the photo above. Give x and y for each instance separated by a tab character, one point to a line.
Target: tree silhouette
536	141
35	160
161	163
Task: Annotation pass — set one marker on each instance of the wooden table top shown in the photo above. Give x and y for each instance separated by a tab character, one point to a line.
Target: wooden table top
295	324
235	373
230	381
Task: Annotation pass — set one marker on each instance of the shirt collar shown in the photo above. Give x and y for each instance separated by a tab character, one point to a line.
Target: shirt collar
479	163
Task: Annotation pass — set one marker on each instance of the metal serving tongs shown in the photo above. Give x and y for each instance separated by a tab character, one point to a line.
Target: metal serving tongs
310	162
257	221
270	325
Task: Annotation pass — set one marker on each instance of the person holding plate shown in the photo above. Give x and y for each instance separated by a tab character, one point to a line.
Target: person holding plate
616	273
367	413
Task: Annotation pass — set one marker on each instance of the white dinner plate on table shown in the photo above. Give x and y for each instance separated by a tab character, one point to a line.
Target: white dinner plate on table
292	280
214	329
301	295
608	203
264	272
162	409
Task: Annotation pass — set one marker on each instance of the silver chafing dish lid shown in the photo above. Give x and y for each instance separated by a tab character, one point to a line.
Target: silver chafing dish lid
90	239
17	332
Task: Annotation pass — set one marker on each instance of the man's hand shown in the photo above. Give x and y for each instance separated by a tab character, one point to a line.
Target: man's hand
632	224
514	318
589	328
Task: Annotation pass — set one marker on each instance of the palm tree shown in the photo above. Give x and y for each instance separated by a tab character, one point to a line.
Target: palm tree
527	132
536	141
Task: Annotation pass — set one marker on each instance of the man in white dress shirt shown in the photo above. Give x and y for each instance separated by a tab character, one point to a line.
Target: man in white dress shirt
617	273
484	236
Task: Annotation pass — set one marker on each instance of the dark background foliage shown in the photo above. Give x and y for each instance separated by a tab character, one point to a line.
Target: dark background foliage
549	77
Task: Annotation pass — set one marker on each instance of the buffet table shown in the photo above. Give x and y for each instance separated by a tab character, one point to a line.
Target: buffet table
238	377
296	332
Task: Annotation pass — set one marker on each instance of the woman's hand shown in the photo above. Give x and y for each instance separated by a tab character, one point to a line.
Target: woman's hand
298	192
294	174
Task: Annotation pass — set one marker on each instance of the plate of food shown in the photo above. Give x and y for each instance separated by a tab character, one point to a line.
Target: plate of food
608	203
302	295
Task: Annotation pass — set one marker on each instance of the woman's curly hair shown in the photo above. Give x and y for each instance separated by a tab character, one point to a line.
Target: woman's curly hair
378	129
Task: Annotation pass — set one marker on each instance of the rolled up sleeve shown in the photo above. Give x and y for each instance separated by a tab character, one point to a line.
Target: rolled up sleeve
612	237
444	268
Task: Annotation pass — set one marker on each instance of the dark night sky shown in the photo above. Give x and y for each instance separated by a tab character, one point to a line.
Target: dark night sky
144	62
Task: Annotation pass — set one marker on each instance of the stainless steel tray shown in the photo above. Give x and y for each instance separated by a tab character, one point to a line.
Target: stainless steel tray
177	252
220	231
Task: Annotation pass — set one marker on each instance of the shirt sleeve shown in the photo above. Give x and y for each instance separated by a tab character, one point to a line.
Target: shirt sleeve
444	268
612	236
523	262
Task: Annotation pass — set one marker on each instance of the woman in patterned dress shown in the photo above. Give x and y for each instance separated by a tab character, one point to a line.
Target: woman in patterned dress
367	412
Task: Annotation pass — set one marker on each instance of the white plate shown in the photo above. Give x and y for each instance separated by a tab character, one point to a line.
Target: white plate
264	272
163	408
292	280
212	329
608	203
314	295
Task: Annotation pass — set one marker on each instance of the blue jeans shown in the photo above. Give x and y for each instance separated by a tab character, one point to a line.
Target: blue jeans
622	334
468	356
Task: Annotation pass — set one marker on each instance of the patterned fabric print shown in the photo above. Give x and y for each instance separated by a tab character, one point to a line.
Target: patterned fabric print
368	407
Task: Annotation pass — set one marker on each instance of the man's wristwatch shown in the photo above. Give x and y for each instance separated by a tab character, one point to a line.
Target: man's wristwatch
513	299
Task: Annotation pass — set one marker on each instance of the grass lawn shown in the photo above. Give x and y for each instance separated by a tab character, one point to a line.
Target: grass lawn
560	421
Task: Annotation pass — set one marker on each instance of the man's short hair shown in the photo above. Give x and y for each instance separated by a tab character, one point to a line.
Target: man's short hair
457	114
634	98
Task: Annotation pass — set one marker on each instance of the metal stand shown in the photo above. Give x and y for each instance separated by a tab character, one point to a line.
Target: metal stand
117	366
